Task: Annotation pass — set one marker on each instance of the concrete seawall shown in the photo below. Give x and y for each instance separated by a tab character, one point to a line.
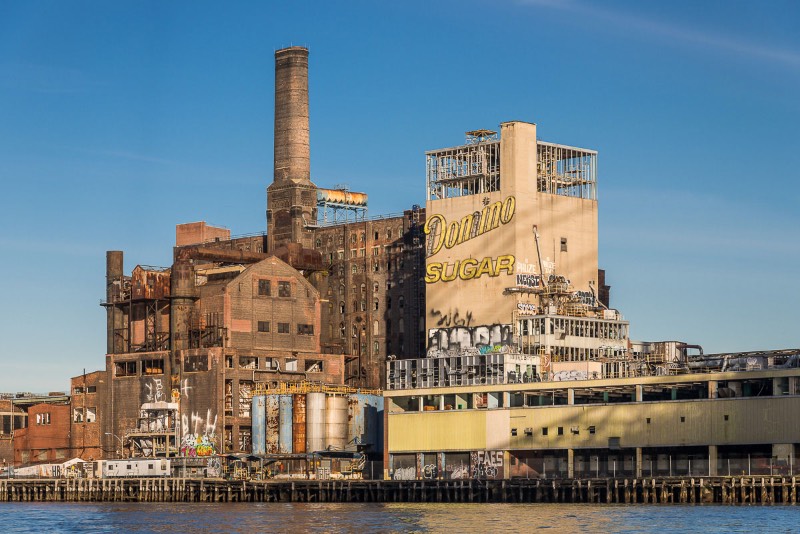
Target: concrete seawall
712	490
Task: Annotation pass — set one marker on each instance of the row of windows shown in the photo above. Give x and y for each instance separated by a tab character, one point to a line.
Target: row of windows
354	238
283	328
88	415
265	288
89	389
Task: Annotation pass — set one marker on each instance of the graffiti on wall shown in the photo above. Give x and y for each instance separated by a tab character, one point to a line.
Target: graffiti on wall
154	390
405	473
462	340
486	464
451	317
193	445
195	423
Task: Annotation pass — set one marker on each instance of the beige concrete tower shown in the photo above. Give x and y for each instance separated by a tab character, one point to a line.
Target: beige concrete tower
291	198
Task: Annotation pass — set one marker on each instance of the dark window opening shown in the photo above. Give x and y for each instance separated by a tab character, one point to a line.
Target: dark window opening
125	369
263	326
283	328
284	289
305	329
264	288
153	367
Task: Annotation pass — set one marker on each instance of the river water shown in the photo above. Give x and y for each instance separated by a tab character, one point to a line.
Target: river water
357	517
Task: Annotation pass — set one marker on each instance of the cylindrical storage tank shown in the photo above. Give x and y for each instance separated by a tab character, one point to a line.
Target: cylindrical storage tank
258	420
362	420
336	422
315	422
285	434
273	423
299	424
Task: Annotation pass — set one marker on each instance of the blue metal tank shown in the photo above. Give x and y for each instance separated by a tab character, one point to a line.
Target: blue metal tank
258	420
285	433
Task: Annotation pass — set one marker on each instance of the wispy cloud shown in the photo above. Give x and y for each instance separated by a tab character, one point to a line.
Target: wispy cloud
674	32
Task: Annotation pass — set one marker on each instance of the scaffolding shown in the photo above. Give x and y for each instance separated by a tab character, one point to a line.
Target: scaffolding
474	169
567	171
471	169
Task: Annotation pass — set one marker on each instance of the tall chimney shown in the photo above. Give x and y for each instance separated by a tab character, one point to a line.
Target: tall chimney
292	197
114	319
291	116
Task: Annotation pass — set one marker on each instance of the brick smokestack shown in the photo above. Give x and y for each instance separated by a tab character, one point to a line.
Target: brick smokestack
292	197
291	116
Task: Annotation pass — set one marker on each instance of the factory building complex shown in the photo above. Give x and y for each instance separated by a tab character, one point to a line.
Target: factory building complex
472	337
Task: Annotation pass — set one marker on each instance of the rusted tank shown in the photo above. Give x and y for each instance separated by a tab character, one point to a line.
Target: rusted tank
315	422
365	421
285	433
299	423
273	423
335	422
258	419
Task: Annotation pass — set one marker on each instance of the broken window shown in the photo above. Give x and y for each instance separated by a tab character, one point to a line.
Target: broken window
125	369
153	367
91	414
248	362
305	329
91	389
244	438
563	244
284	289
77	415
313	366
78	390
291	364
245	397
195	363
264	288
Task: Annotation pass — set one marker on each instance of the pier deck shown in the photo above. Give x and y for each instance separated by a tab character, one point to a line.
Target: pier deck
673	490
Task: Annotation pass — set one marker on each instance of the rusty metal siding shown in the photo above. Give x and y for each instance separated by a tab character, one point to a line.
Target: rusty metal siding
299	423
273	423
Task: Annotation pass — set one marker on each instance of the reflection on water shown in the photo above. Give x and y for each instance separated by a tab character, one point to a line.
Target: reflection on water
356	517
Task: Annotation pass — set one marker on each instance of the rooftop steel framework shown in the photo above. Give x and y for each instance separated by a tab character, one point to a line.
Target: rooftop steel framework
474	169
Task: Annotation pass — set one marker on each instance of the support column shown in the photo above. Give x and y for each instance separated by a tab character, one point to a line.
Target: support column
713	388
712	460
570	396
638	458
639	393
506	399
570	462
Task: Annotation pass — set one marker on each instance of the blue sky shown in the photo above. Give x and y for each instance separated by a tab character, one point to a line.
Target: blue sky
120	119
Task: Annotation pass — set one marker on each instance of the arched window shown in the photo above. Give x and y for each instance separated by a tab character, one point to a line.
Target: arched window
375	287
376	305
401	302
341	307
375	327
400	326
363	288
